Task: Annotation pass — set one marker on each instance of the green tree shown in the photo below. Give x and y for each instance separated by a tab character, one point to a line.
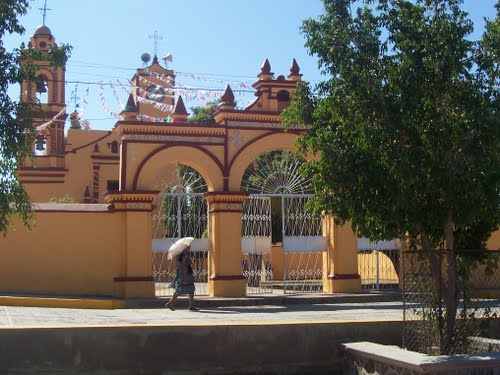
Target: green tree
204	114
16	129
406	125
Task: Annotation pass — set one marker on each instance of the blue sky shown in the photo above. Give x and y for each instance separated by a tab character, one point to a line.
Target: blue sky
212	42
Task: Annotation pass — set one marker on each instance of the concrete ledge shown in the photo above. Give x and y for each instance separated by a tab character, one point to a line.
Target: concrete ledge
402	360
72	303
293	348
71	207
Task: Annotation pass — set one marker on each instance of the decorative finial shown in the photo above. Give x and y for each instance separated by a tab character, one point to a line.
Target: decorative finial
265	71
179	114
156	37
266	67
179	108
130	106
74	120
228	96
44	11
294	69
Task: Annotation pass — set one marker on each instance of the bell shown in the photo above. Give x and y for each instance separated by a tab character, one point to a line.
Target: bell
40	86
40	140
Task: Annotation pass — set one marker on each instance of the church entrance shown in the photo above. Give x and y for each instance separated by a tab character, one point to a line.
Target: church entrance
180	211
282	242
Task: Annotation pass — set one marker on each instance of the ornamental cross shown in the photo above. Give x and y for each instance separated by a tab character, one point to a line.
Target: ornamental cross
75	97
44	11
156	37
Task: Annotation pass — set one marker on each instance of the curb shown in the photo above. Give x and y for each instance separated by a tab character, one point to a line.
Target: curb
278	300
58	302
201	301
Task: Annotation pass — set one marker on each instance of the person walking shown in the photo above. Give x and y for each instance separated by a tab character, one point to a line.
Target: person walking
184	281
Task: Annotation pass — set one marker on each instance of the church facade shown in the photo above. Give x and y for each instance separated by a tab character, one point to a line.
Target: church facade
99	242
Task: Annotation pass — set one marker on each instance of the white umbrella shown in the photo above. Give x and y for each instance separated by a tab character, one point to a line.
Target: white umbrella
179	246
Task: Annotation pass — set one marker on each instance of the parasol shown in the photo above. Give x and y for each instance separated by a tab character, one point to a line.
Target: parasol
179	246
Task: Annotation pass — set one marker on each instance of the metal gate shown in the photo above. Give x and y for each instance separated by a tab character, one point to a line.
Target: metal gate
378	264
298	265
178	215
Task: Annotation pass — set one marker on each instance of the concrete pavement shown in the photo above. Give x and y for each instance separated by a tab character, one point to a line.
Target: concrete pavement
18	316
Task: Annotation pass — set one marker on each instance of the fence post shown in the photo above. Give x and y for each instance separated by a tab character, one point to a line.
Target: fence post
378	271
403	289
283	241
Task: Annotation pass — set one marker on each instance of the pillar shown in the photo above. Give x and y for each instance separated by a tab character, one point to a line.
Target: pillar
135	279
225	258
340	262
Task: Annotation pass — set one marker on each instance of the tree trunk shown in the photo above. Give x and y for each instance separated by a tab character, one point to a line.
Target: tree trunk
451	291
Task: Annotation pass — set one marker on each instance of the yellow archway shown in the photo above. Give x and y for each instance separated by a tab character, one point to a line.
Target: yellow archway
159	162
266	143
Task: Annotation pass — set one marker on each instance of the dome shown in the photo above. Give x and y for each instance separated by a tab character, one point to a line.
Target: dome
42	30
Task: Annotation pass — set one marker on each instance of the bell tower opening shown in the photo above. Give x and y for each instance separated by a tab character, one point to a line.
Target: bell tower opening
42	91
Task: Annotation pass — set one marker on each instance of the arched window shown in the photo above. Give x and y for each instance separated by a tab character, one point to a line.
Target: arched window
114	147
42	89
283	99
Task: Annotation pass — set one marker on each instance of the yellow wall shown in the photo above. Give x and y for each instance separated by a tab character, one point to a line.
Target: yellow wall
67	253
494	241
80	159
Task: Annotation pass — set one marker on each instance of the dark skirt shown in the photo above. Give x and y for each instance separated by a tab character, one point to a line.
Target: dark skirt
184	284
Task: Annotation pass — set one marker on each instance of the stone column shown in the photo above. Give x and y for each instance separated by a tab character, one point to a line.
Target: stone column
136	276
340	262
225	258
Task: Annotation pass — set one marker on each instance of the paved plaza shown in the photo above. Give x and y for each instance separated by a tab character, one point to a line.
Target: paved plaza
14	316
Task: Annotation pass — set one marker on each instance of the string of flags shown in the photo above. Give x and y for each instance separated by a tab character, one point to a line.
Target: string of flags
188	93
201	78
43	129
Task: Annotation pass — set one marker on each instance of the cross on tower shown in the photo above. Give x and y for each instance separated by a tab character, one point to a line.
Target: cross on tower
75	97
44	11
156	37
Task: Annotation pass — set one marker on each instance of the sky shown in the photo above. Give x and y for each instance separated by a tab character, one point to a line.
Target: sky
213	43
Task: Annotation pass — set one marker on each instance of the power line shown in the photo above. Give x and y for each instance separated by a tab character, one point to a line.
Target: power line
105	66
173	87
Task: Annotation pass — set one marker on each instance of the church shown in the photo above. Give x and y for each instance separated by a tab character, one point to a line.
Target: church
98	238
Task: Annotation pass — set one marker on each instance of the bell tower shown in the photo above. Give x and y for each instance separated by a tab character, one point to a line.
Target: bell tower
153	90
46	94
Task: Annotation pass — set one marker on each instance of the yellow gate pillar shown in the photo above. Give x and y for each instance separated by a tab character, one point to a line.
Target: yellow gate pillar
340	262
225	258
135	279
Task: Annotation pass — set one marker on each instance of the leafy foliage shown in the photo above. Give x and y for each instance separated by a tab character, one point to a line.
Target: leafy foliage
16	129
204	114
406	126
406	122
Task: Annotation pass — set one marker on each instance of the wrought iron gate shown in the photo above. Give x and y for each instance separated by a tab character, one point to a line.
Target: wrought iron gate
299	267
256	244
178	215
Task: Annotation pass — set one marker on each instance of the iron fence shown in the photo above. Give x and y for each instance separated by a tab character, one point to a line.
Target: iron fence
446	311
379	269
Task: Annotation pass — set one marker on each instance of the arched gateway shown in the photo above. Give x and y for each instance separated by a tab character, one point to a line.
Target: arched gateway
126	168
221	152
